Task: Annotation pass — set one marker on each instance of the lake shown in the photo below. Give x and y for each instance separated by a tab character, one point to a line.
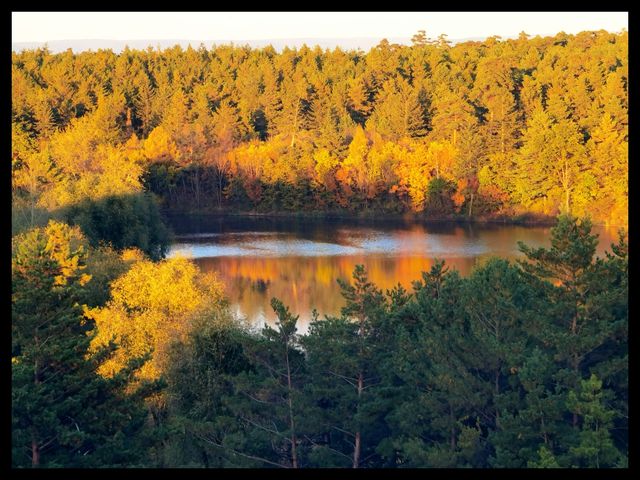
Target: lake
299	260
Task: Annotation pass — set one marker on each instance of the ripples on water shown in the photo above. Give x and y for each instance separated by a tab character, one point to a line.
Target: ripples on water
278	244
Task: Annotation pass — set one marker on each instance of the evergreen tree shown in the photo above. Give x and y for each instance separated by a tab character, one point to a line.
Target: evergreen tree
596	448
63	413
268	403
343	367
398	113
580	322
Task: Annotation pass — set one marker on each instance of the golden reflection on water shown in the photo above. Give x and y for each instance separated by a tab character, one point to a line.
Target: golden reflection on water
305	282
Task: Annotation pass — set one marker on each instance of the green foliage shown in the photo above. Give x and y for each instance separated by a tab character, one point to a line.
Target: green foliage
63	413
104	265
521	365
123	222
201	387
483	371
596	448
545	460
24	218
439	201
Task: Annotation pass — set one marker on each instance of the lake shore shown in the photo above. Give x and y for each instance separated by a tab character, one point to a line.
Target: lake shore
523	219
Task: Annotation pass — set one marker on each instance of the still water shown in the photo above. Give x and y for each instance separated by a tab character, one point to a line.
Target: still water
298	261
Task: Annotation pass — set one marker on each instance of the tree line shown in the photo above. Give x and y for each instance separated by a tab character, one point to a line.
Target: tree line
119	360
526	126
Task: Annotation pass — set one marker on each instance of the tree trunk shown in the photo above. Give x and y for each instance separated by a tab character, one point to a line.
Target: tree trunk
35	451
470	204
219	189
496	393
184	185
496	383
575	363
565	182
357	447
502	135
35	448
452	439
294	455
197	186
358	442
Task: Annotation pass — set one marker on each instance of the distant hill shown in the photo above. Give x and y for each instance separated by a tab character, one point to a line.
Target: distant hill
364	43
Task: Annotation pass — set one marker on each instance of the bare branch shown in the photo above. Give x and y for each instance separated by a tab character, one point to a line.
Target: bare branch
257	399
349	380
328	448
246	455
256	424
343	431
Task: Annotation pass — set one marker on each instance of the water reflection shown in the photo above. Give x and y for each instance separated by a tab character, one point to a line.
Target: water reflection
300	261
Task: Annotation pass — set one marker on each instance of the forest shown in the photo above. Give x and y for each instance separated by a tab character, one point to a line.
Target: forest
122	357
120	361
516	128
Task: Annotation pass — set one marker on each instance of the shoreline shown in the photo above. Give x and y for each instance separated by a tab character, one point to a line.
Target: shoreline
522	220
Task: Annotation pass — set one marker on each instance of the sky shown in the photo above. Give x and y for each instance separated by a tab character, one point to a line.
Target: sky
207	26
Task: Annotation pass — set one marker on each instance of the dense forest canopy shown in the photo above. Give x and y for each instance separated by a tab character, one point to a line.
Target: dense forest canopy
500	127
123	358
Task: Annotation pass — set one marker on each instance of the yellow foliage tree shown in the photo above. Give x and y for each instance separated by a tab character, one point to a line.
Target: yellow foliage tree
115	171
442	156
160	146
608	154
34	175
414	174
381	165
261	160
355	166
325	166
84	160
152	305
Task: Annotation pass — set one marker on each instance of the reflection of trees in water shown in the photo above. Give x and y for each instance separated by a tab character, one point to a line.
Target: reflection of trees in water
304	283
260	285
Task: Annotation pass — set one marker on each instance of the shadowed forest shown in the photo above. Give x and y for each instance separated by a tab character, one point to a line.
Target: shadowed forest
122	357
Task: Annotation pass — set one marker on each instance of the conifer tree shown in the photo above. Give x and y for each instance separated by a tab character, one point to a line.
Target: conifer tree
63	413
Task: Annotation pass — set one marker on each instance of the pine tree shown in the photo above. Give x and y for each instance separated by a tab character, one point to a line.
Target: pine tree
596	448
63	413
359	101
398	112
578	322
202	400
144	101
343	367
267	401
